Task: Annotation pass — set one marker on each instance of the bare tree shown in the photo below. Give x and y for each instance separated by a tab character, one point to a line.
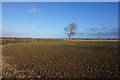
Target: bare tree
70	30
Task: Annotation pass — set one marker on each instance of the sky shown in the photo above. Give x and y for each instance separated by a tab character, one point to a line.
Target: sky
60	0
48	19
0	19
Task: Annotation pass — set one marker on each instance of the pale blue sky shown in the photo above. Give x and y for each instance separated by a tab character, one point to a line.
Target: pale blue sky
48	20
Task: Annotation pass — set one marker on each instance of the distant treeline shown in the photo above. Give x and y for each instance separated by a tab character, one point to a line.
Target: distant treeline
24	40
62	38
9	40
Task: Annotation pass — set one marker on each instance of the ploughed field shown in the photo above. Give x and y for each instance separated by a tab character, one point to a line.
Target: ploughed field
61	59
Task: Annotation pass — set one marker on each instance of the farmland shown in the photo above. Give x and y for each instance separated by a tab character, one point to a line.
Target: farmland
28	58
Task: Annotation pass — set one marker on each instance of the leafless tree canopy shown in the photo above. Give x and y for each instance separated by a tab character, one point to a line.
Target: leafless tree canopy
70	30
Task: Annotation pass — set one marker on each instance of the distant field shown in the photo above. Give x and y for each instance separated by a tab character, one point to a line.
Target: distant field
61	59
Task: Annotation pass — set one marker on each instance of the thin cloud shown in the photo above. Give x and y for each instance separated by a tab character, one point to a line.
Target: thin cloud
9	33
100	29
34	10
113	29
103	32
93	29
104	24
81	33
104	28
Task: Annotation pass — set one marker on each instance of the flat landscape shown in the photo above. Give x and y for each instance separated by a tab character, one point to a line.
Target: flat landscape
61	59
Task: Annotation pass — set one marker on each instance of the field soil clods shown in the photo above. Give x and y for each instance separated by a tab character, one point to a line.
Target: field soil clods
61	59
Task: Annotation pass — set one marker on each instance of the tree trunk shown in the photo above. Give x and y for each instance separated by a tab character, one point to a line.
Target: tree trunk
69	37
